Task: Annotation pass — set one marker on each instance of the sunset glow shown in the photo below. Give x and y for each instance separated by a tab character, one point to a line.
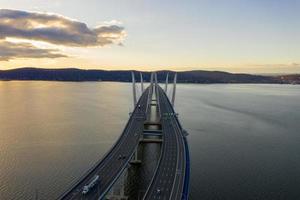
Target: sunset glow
235	36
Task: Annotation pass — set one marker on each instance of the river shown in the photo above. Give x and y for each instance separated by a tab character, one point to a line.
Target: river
244	139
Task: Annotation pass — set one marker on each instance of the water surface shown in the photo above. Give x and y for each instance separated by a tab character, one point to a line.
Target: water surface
244	139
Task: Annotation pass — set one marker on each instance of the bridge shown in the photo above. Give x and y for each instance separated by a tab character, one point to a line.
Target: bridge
170	179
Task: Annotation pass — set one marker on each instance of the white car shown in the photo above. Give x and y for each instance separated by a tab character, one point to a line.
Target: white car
158	191
91	184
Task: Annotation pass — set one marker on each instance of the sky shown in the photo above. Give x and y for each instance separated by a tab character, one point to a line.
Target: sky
249	36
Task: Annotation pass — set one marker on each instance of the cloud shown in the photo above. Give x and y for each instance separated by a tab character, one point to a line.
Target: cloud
295	64
9	50
57	29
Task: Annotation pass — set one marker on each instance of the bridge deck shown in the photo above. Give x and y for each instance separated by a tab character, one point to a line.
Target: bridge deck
111	166
168	181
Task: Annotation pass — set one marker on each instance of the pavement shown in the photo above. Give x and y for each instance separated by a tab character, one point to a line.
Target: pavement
168	181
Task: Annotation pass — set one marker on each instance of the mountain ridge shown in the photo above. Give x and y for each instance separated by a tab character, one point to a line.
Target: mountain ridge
192	76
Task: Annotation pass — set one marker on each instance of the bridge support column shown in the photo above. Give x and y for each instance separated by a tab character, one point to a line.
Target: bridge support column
118	191
135	160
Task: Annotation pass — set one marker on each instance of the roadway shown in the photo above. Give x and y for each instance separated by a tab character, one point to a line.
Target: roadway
112	165
168	181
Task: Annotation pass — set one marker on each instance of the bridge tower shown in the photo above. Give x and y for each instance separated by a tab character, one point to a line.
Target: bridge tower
142	82
174	89
166	85
150	135
133	89
155	76
151	78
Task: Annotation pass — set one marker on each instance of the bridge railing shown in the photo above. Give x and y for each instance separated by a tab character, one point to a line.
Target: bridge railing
186	188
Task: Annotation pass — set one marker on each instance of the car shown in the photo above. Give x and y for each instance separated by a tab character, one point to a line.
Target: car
91	184
85	190
121	157
158	191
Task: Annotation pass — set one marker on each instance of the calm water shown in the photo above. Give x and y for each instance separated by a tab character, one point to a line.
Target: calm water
244	139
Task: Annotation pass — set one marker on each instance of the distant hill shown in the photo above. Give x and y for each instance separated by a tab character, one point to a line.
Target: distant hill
291	79
197	76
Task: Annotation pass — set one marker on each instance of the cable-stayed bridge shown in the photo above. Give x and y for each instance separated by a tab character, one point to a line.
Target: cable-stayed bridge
170	179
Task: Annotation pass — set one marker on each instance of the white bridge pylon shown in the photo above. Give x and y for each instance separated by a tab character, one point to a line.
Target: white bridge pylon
153	80
133	89
142	82
174	89
166	85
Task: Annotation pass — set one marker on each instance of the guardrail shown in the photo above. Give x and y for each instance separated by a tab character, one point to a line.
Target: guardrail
186	187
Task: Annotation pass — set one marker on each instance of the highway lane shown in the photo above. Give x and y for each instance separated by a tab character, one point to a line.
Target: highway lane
115	161
168	180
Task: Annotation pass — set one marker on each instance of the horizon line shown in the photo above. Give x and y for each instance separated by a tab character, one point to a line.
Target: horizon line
147	71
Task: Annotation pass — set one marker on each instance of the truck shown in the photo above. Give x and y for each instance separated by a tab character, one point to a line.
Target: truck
94	181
